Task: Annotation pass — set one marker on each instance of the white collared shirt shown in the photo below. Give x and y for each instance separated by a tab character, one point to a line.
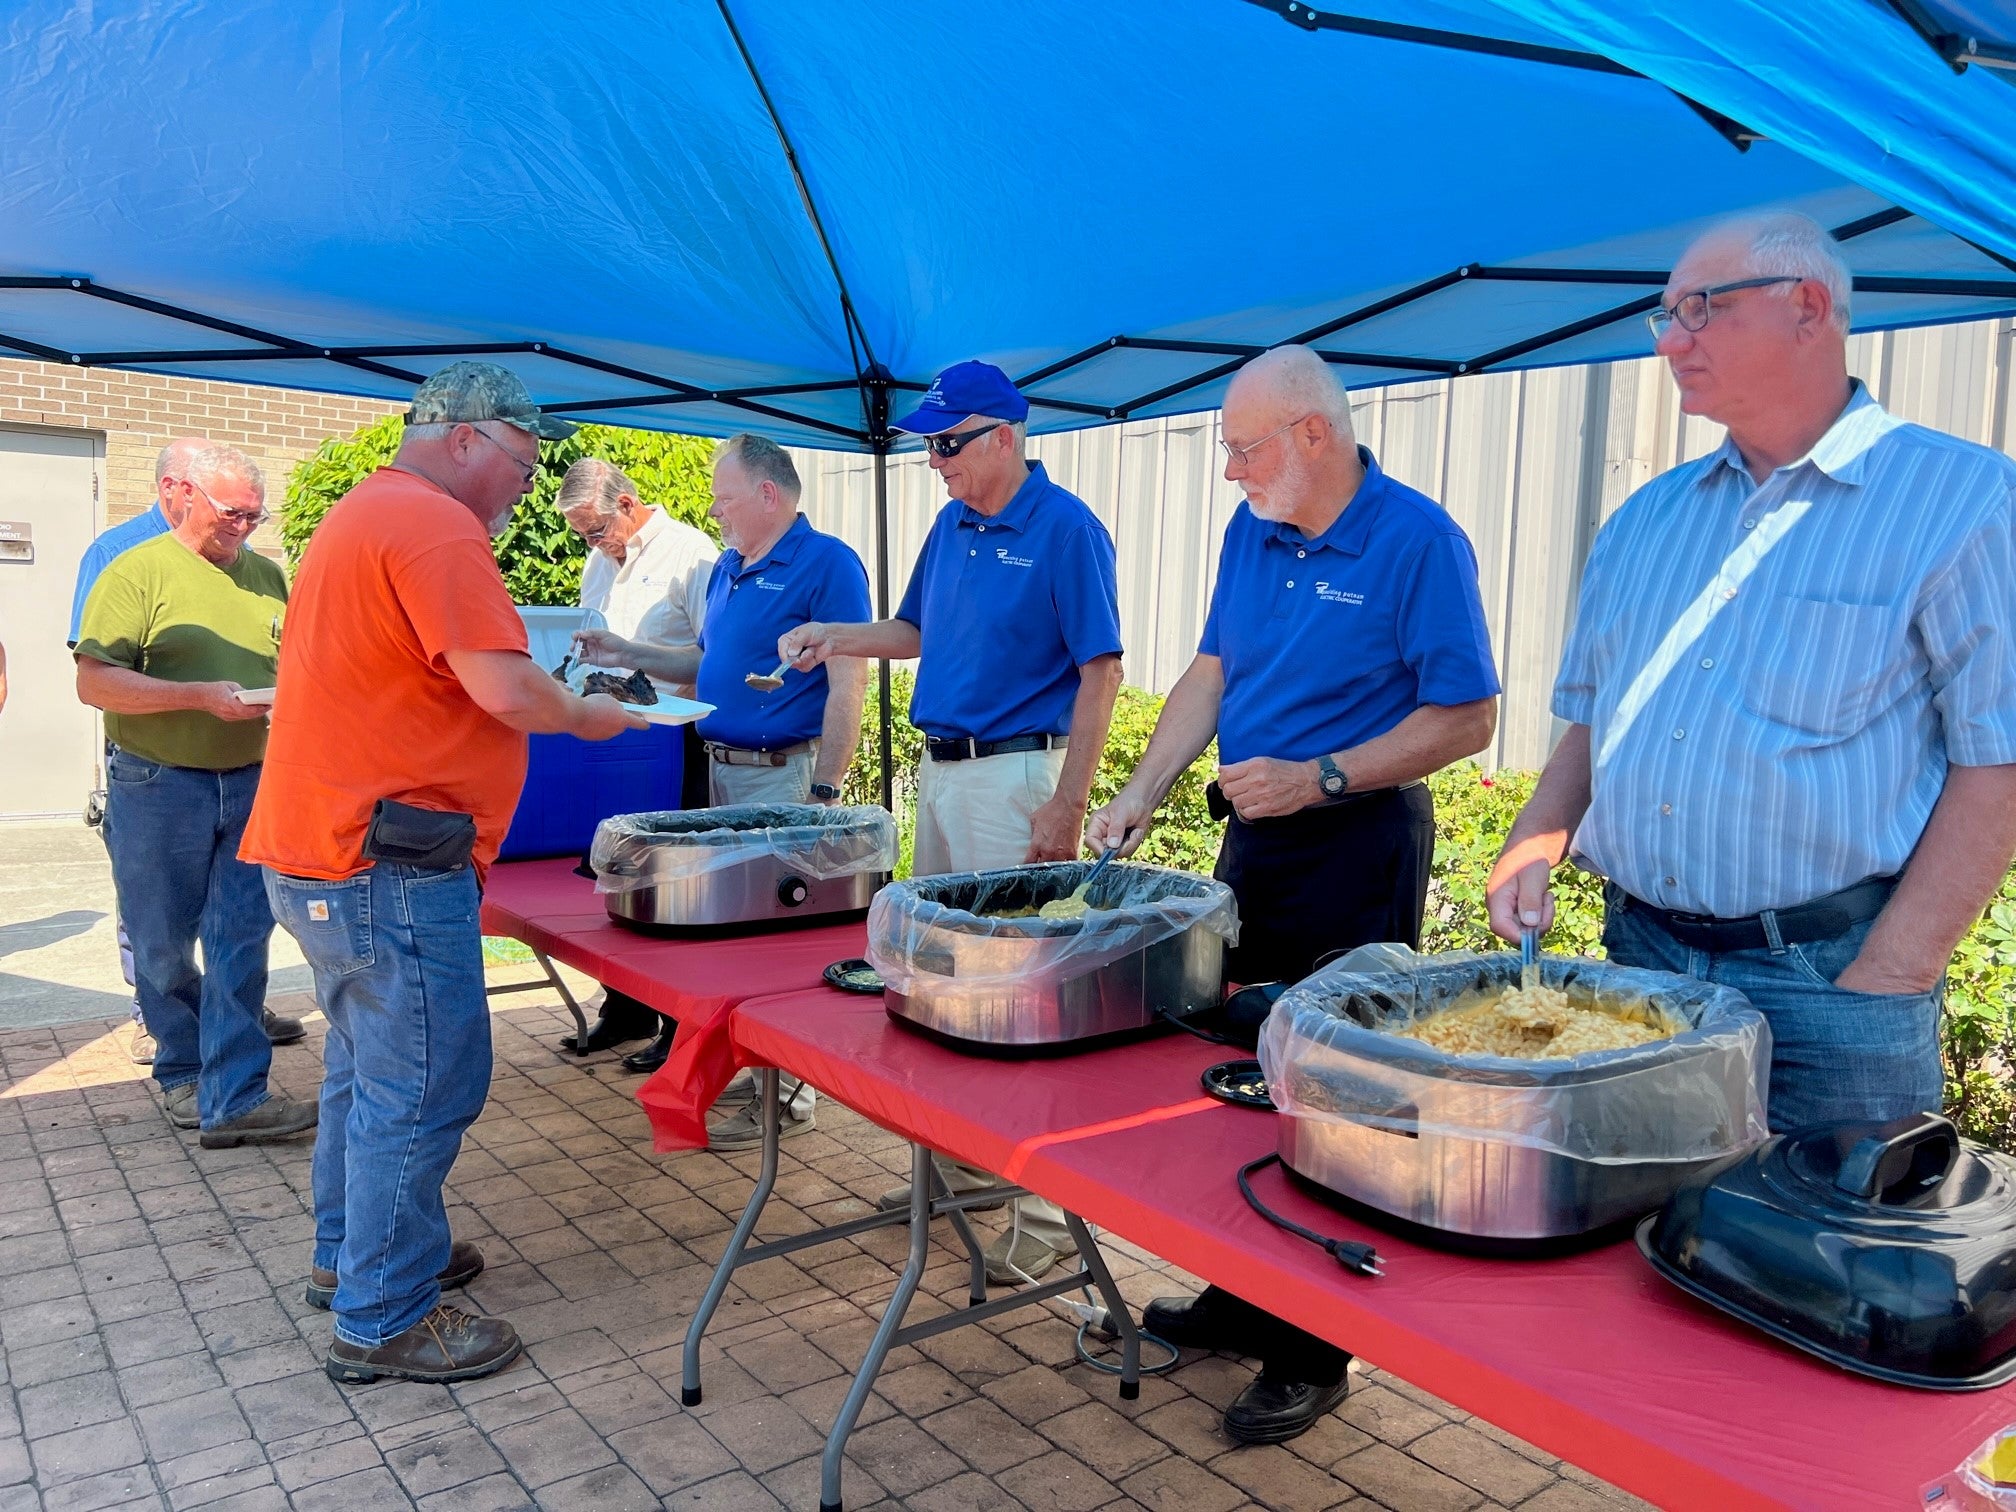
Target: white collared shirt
659	592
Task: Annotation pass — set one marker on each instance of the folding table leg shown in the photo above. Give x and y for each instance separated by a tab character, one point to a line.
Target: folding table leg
766	1178
1116	1306
976	1286
580	1018
923	1175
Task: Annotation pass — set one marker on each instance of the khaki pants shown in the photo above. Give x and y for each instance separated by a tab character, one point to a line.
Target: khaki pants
976	816
790	783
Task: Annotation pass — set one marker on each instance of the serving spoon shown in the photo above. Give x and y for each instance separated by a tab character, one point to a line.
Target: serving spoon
1529	958
1073	903
770	683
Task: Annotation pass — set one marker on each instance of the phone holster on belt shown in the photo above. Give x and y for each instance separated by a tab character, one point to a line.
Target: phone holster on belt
417	836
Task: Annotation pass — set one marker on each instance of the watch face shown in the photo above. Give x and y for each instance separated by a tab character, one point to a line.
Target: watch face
1333	783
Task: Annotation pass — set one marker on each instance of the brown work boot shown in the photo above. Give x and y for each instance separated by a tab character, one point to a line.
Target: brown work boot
180	1105
465	1264
446	1345
279	1117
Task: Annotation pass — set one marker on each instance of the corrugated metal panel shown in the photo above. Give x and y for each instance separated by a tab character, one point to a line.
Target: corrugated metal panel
1528	463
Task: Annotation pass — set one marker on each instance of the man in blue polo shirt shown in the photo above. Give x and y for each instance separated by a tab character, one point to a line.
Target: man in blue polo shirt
1014	613
1344	659
792	744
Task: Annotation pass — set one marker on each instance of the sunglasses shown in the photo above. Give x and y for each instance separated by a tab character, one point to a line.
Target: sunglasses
947	444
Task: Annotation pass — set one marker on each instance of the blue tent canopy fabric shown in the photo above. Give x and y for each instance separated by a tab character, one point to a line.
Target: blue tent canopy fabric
784	215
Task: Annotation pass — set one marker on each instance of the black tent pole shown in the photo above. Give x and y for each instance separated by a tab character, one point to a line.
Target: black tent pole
882	612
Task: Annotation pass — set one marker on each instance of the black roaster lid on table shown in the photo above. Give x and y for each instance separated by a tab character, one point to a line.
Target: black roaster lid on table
1887	1249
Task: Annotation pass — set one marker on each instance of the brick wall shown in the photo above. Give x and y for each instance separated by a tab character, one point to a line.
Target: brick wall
139	413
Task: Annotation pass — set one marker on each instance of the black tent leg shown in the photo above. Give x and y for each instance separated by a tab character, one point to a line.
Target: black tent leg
882	611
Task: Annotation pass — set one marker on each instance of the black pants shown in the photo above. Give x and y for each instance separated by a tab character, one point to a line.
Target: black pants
1311	885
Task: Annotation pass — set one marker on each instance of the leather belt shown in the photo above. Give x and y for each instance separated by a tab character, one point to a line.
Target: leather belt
736	756
1822	919
968	750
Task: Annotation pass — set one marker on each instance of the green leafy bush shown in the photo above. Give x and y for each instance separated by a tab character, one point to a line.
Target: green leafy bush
540	557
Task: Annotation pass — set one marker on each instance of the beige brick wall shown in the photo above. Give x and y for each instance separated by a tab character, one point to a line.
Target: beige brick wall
138	413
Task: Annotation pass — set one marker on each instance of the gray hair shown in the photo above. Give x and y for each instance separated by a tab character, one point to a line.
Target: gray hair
1787	244
214	464
763	460
1302	381
593	483
172	461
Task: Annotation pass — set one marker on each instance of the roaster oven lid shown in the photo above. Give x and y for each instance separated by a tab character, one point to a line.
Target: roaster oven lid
1888	1249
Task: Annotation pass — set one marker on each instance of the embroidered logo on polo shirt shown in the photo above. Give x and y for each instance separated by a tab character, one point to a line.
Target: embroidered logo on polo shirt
1331	595
766	585
1001	553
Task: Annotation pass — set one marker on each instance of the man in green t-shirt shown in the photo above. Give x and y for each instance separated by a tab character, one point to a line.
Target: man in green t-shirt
174	632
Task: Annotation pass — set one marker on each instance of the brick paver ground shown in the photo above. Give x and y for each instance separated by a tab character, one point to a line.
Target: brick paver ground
155	1350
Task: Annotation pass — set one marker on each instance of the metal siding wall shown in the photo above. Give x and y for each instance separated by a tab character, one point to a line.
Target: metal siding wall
1528	463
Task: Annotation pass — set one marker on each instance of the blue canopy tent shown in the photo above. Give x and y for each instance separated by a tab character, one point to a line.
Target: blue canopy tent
784	215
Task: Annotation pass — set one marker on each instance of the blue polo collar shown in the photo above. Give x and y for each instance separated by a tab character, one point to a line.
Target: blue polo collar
1349	532
1016	515
1843	452
783	550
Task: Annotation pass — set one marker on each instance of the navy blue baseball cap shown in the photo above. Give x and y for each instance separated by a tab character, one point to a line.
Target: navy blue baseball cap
959	393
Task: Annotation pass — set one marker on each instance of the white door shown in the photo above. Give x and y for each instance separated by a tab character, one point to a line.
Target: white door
48	755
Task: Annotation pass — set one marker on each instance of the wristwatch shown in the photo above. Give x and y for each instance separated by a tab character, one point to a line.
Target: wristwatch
1332	777
825	792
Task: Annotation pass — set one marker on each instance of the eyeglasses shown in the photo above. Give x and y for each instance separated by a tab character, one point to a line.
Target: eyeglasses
251	519
1692	310
1244	454
526	470
947	444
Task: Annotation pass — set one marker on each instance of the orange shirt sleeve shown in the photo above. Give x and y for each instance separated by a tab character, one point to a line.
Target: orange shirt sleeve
455	598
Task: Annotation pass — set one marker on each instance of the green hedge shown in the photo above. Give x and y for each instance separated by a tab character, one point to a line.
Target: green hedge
1473	812
541	558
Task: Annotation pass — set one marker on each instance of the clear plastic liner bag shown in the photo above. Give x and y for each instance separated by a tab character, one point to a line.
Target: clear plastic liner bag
633	851
1330	1054
1985	1481
978	931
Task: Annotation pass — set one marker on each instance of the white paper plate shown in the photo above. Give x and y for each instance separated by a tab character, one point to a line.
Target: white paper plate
260	696
672	711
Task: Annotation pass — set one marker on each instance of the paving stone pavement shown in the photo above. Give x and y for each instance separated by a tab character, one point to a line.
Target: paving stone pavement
155	1350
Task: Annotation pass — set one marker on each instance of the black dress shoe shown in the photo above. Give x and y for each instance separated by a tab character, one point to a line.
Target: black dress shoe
623	1018
1190	1323
1273	1411
653	1055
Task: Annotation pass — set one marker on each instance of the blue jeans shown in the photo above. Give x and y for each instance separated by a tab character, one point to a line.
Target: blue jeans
398	961
1836	1057
173	833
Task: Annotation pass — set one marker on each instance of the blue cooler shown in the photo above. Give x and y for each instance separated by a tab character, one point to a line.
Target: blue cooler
572	785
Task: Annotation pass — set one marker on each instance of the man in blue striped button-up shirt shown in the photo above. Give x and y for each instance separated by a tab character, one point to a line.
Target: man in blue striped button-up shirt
1791	690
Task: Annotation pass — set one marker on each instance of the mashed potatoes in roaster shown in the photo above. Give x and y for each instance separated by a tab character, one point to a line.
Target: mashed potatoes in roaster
1535	1023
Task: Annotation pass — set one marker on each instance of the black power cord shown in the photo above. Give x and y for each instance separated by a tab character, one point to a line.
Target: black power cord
1359	1259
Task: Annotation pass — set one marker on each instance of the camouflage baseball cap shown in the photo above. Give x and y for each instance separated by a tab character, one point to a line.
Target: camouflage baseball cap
472	391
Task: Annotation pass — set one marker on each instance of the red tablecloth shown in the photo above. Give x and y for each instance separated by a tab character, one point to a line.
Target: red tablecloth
696	981
1591	1357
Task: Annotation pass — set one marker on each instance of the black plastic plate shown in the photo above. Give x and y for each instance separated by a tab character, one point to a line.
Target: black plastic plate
854	976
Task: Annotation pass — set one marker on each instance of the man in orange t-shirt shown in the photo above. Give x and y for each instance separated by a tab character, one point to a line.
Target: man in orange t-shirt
405	680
